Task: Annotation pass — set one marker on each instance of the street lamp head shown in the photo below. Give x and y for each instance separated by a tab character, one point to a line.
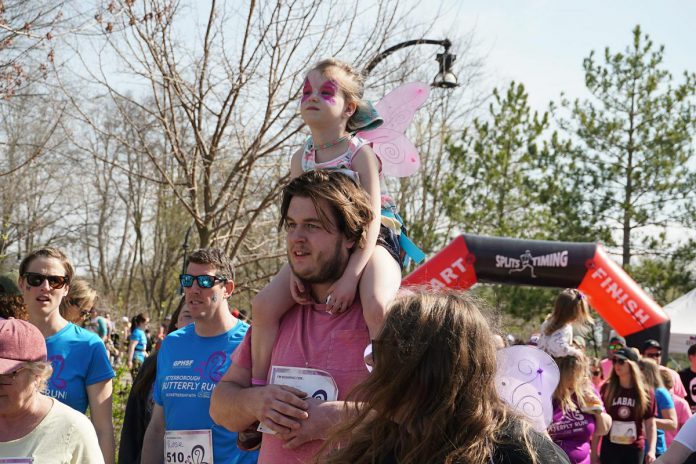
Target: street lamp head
445	78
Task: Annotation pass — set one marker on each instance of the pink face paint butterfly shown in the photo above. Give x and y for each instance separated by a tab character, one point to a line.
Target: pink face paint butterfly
306	90
328	91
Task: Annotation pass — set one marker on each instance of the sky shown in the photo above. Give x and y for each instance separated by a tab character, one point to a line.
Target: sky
542	43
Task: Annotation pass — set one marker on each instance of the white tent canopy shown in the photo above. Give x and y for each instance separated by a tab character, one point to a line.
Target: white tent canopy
682	313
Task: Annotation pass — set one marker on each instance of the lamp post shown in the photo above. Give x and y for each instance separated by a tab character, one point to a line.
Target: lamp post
445	78
185	246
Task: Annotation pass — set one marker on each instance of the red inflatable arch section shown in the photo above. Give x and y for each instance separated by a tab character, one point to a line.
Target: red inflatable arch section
625	306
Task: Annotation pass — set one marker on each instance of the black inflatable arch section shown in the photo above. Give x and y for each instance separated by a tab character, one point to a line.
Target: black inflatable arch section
625	306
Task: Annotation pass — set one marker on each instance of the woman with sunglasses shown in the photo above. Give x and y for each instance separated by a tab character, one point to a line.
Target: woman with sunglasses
431	395
137	345
76	306
596	372
631	405
578	414
32	425
81	370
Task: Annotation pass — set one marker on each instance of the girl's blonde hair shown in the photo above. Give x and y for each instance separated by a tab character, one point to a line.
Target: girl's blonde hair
434	370
350	81
570	307
642	391
574	381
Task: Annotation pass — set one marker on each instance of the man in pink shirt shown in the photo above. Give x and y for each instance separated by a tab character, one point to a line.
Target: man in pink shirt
325	214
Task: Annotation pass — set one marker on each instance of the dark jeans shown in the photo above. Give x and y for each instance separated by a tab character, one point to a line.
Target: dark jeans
612	453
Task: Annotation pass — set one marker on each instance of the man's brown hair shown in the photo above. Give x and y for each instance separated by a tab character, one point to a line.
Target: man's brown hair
48	252
348	201
214	257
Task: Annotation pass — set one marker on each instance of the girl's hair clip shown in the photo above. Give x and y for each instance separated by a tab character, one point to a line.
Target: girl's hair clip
579	295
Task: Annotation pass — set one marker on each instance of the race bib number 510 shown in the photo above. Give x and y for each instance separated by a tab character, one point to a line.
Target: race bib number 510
188	446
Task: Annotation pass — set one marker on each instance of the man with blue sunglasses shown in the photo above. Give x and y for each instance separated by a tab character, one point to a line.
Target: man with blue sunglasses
190	363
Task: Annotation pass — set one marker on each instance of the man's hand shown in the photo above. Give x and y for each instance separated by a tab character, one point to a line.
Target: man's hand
321	417
279	407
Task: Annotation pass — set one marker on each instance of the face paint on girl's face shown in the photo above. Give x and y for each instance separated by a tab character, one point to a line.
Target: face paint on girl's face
306	90
328	91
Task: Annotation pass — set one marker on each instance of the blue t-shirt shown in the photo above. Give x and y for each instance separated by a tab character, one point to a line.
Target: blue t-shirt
188	368
139	336
79	359
664	401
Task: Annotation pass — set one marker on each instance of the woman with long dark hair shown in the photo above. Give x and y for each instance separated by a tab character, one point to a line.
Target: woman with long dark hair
631	406
432	397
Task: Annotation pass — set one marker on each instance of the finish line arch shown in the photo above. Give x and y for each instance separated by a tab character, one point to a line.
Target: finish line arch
616	297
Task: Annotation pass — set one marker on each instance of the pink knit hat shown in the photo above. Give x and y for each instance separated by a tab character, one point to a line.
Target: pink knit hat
20	342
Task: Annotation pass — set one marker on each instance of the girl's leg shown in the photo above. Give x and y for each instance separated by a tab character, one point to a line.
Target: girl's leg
379	283
267	308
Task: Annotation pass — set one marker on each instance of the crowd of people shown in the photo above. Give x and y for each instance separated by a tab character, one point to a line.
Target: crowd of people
339	368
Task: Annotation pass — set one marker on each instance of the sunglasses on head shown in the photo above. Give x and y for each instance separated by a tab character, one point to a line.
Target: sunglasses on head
204	281
618	346
36	280
618	361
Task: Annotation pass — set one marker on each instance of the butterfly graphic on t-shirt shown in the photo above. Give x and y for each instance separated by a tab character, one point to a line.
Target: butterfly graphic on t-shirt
58	363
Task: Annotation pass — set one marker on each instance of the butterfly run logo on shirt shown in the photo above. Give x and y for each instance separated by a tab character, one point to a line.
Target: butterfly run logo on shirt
197	382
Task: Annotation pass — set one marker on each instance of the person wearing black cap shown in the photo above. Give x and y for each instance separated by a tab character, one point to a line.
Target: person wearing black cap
631	405
652	350
616	342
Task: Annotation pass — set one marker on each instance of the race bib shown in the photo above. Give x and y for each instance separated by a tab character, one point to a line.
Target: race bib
623	433
16	460
315	382
188	446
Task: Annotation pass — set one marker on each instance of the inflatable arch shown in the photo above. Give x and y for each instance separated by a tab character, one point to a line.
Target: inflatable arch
586	266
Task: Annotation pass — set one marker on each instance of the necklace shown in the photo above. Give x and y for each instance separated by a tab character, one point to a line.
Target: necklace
334	143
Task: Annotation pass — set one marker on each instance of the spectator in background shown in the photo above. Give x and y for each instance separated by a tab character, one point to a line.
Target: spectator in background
596	373
11	302
652	350
688	378
616	342
77	306
97	324
666	418
137	344
681	406
33	425
140	403
82	372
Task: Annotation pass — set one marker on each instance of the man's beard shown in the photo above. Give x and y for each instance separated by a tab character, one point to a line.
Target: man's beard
329	271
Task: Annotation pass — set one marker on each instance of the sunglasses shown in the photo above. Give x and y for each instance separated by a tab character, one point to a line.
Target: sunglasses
618	361
615	347
8	379
36	280
654	355
596	373
204	281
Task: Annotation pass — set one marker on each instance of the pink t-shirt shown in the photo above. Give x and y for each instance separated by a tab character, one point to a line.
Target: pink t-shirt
310	337
683	410
606	366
